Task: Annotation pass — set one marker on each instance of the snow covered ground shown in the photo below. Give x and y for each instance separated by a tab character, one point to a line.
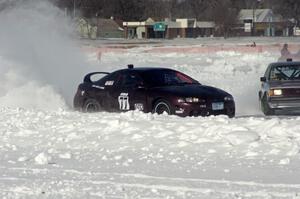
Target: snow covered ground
66	154
47	150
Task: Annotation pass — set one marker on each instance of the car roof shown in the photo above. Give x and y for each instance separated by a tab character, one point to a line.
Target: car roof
287	63
144	69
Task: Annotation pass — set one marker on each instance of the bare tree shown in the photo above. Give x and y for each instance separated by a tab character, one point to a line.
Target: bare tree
223	12
199	8
157	8
289	9
224	16
180	9
129	10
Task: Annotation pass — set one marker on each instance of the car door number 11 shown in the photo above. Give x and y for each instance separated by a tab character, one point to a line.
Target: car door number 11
123	100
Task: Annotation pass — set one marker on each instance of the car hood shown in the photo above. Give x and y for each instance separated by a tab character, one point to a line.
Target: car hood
285	84
194	90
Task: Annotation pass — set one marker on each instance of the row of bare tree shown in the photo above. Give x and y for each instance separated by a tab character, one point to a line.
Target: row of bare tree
221	11
224	10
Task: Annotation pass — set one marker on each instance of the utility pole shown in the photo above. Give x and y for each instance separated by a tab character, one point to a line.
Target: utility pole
254	6
253	17
74	8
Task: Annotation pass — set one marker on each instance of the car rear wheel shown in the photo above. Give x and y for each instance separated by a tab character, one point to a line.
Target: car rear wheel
91	105
265	107
161	107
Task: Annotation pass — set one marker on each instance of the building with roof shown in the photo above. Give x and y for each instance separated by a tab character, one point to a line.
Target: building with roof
181	28
206	28
109	28
86	29
262	22
93	28
138	29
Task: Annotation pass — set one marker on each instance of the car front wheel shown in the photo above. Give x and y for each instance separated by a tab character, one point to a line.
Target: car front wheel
231	112
161	107
265	107
91	105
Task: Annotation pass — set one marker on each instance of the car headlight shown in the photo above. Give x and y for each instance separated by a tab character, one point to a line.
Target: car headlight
275	92
190	100
228	98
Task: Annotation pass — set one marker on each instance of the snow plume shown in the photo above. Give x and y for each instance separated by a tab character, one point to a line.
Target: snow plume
40	65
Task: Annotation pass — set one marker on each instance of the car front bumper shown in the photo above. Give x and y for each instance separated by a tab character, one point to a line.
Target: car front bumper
196	109
285	103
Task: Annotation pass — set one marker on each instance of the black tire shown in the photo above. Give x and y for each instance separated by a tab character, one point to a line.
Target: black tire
91	105
162	106
265	106
231	112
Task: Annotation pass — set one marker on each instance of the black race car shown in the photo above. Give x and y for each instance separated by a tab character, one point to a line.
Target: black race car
280	88
155	90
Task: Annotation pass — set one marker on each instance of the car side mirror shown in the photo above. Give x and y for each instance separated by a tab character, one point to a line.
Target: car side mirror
263	79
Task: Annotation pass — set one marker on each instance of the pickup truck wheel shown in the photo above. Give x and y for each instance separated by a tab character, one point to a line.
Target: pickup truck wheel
265	106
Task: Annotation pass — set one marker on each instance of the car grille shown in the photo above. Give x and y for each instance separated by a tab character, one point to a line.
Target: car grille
291	92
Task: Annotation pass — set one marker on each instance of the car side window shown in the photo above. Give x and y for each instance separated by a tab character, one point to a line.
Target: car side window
102	81
131	79
110	80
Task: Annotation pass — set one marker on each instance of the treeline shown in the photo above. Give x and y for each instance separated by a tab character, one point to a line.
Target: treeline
216	10
224	11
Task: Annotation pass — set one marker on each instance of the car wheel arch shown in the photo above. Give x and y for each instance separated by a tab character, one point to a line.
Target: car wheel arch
155	100
260	95
265	107
91	101
163	101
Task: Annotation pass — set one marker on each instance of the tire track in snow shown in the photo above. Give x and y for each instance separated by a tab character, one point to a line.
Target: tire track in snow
83	184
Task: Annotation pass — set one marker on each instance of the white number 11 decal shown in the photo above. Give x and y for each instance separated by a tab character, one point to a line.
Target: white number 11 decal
124	101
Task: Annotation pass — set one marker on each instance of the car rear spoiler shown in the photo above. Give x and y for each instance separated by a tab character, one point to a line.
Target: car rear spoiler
87	78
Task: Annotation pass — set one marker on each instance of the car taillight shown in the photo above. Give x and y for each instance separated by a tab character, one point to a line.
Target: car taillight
80	92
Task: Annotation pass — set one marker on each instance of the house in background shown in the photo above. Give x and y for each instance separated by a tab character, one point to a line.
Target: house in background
206	28
174	29
109	28
137	29
191	28
188	27
262	22
94	28
180	28
86	29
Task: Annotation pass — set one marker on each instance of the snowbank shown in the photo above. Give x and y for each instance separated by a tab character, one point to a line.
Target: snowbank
66	154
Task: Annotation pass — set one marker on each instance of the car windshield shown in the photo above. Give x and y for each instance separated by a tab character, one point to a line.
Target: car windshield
285	73
165	77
